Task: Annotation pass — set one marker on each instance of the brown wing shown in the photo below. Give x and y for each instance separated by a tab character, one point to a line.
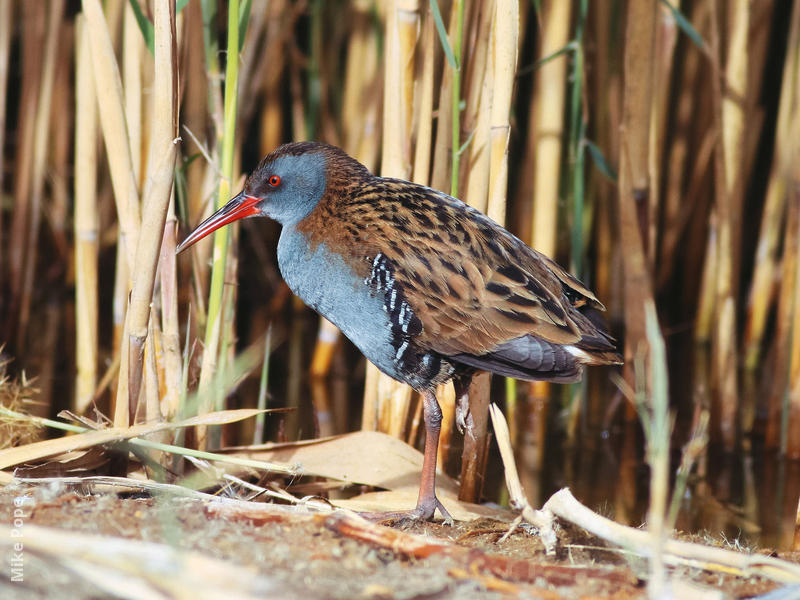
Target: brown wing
471	284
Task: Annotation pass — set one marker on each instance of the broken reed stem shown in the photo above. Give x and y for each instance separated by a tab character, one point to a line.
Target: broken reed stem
654	412
221	237
86	223
564	505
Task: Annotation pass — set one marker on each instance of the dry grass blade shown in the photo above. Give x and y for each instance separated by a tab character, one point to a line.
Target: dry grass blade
38	450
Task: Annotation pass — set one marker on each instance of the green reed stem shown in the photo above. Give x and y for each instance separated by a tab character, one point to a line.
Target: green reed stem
222	236
458	6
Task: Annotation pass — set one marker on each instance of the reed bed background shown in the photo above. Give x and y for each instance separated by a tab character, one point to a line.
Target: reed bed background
651	147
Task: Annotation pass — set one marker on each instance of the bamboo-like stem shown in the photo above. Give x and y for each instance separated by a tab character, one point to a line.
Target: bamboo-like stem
86	224
424	116
551	85
158	188
108	88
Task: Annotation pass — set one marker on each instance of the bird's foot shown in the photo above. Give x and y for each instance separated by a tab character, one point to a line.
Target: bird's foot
424	511
463	416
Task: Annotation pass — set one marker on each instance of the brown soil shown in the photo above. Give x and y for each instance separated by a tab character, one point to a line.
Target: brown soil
312	558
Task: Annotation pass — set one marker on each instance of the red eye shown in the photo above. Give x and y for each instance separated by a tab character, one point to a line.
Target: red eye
274	181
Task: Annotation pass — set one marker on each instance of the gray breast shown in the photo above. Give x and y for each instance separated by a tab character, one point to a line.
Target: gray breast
327	284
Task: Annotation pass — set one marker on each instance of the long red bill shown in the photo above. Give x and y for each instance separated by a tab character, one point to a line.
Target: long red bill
238	207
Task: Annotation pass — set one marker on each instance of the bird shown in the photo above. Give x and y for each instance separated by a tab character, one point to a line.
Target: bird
428	288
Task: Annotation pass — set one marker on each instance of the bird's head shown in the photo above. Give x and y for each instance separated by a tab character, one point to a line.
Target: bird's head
286	186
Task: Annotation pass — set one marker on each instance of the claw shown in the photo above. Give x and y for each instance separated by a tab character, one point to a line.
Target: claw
463	416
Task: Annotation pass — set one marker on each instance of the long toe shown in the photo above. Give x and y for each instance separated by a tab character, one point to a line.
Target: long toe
424	511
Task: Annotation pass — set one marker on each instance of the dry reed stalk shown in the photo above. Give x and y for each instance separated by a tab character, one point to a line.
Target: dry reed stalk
547	126
114	10
199	174
477	66
726	116
674	203
41	145
544	150
402	21
502	65
280	22
86	224
170	326
781	360
360	79
108	88
666	38
443	151
152	392
33	30
473	458
424	102
6	14
735	92
505	43
793	185
793	384
762	290
58	206
158	188
132	49
634	184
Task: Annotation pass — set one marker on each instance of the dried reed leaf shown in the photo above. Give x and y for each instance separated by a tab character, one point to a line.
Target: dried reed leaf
364	457
38	450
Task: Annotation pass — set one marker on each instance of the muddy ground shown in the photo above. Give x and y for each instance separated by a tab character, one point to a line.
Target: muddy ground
294	555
